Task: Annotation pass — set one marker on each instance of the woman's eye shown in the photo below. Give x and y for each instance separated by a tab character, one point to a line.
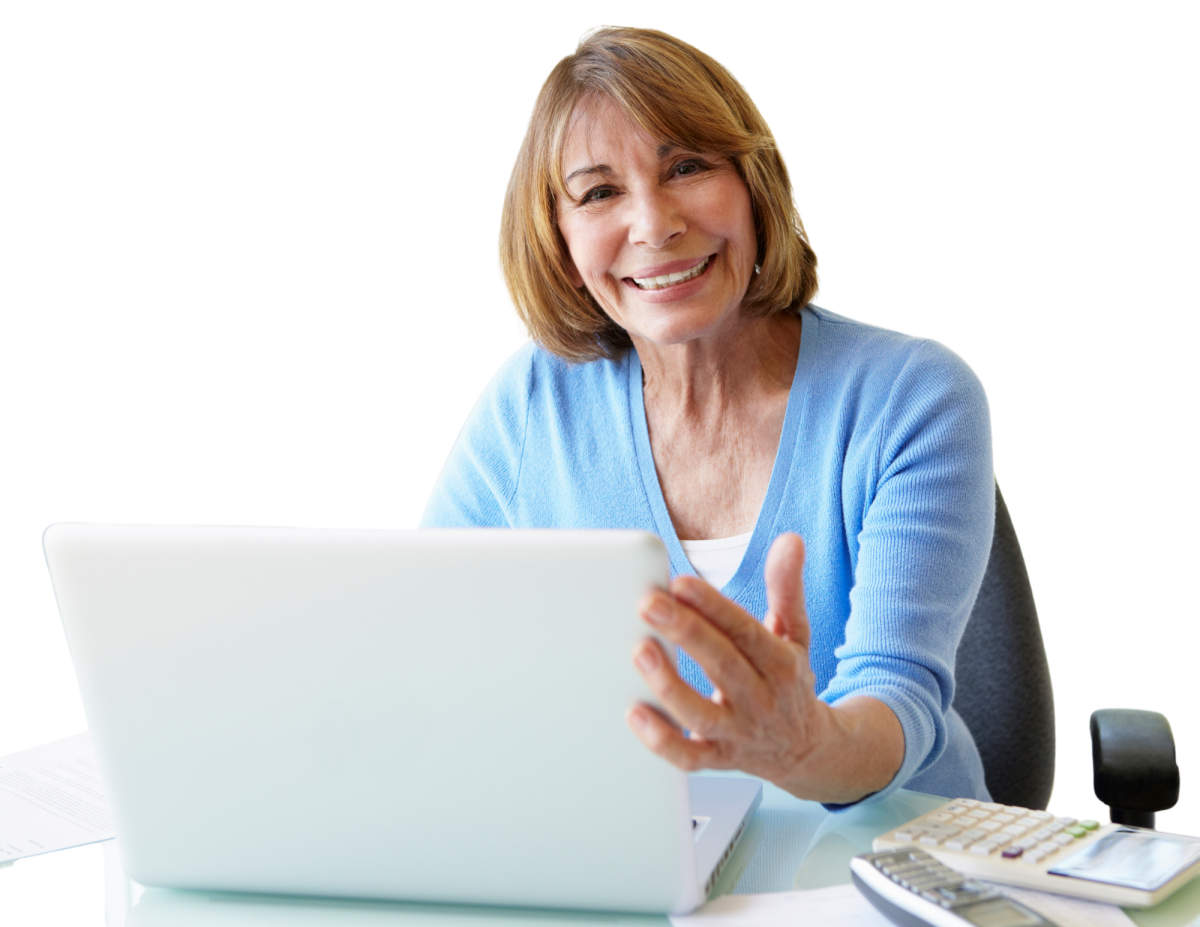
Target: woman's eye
684	168
596	194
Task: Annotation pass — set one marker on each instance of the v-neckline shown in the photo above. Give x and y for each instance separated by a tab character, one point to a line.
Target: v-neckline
755	558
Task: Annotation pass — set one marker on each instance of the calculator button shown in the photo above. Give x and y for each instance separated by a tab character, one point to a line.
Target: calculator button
1004	818
990	806
926	875
958	844
967	892
1027	844
989	826
909	834
1066	822
1076	830
1033	856
1029	821
1012	852
969	802
1044	834
1064	840
1013	830
1056	827
939	817
900	863
1089	825
933	880
1047	848
1041	815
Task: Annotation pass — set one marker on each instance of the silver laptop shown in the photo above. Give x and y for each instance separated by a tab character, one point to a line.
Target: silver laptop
419	715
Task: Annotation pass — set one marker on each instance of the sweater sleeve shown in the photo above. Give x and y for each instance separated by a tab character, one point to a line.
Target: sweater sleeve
926	532
480	477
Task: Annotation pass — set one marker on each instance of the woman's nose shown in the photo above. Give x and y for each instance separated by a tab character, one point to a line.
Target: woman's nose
655	220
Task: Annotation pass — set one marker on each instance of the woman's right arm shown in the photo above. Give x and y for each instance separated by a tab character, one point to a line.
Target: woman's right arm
479	479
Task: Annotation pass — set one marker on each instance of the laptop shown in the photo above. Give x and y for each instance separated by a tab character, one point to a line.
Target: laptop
432	715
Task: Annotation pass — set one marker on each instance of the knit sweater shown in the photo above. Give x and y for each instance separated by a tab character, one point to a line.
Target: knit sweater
883	468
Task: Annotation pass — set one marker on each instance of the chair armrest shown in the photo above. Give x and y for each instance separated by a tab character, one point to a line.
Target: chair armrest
1133	764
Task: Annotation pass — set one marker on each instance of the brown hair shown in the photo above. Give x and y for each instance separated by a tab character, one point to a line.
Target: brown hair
679	95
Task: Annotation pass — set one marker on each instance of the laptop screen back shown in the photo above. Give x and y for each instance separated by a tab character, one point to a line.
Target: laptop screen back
432	715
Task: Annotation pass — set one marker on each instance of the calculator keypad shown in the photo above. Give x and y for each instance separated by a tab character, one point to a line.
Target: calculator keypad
921	873
993	830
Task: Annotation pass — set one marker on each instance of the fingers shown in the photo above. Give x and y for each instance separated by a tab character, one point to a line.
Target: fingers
784	574
761	715
683	703
663	738
760	647
727	663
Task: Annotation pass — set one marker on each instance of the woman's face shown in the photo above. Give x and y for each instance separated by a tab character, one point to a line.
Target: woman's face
663	238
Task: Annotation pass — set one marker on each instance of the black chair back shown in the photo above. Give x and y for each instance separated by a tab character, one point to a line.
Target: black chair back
1002	679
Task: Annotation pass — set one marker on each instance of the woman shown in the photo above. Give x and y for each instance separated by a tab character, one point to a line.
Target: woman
681	382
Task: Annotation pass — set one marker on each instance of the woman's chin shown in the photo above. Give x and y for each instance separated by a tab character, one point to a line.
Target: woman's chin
675	332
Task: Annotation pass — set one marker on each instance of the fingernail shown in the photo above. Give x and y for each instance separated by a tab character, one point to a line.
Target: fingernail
638	719
661	612
682	587
647	659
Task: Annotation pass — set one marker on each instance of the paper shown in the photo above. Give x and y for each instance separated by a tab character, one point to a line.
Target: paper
1069	912
837	906
51	798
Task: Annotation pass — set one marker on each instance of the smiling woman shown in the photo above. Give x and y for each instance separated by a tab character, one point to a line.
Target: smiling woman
696	117
627	207
681	381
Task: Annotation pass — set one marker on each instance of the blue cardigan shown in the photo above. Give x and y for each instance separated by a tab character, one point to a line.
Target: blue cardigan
884	468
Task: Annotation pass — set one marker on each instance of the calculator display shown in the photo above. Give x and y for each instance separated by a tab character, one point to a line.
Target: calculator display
1000	913
1134	858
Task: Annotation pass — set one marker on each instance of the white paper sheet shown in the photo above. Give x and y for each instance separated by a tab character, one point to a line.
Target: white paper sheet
51	798
836	906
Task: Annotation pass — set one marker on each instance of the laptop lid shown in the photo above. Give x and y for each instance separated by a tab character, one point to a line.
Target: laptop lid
432	715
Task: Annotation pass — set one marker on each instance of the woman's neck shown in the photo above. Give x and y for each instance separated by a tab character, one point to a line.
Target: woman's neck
731	368
714	413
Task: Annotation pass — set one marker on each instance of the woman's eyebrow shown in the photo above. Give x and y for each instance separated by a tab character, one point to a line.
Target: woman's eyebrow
592	169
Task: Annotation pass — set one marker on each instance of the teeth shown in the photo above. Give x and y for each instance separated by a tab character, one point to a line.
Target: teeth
657	283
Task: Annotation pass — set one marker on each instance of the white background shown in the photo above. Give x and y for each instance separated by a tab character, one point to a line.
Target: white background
248	275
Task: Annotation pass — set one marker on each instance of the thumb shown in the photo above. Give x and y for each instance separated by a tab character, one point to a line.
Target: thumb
786	615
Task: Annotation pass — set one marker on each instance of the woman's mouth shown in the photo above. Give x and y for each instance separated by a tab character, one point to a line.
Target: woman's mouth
667	280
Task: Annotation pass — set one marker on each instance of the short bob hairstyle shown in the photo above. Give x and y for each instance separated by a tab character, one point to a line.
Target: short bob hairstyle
675	93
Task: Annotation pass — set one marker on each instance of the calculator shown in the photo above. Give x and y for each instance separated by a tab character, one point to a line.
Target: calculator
913	889
1111	863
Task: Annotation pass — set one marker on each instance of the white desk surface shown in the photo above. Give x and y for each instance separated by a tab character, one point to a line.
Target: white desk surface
791	844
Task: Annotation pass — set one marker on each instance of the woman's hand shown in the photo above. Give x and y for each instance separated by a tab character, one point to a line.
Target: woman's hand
764	716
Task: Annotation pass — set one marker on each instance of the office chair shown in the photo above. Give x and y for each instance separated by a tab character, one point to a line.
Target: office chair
1004	695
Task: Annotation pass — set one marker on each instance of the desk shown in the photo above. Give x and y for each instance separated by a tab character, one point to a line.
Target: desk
790	844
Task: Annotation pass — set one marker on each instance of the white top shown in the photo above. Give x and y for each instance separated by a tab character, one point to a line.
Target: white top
717	560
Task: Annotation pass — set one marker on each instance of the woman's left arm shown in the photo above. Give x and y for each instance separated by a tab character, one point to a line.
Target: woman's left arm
919	519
